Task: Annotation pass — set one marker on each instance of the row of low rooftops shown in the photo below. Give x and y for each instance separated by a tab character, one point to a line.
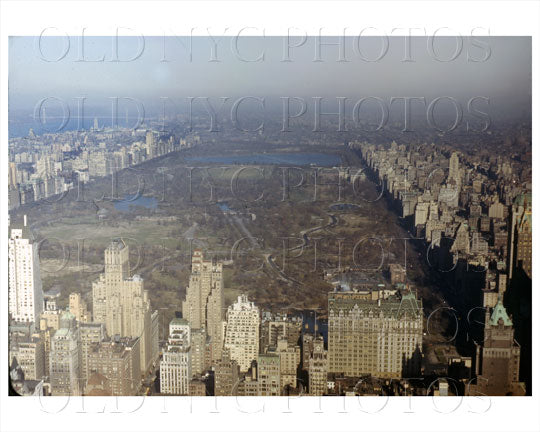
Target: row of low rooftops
389	302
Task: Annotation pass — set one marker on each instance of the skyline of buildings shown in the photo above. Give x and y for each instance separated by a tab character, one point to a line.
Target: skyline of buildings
258	216
469	217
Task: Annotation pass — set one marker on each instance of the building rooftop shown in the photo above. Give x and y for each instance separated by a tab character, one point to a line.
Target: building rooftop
179	321
61	332
395	305
499	312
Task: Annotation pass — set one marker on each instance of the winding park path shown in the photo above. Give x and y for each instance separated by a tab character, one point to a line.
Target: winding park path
305	241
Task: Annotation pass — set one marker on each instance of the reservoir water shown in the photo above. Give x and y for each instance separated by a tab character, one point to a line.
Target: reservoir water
135	200
293	159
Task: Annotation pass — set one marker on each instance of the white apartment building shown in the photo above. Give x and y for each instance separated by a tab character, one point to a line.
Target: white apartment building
175	367
242	332
25	291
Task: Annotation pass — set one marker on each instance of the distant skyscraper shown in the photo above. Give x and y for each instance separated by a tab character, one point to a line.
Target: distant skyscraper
25	290
497	361
204	303
381	337
121	302
96	124
150	145
242	332
453	168
175	367
13	174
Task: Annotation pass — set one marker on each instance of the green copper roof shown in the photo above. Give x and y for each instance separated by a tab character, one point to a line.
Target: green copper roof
67	315
499	312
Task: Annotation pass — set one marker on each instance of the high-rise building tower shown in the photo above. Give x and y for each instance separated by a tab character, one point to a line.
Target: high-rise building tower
318	368
242	332
29	350
121	302
520	255
269	375
226	376
150	145
200	351
453	168
89	334
78	307
175	367
497	361
64	372
204	303
289	359
25	290
13	181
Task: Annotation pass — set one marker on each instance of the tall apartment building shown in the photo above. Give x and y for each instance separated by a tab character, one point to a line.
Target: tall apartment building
89	334
204	303
25	290
13	177
175	367
118	360
289	360
379	337
29	351
497	361
200	351
268	375
64	374
79	308
122	304
150	145
242	332
226	376
318	369
308	339
521	235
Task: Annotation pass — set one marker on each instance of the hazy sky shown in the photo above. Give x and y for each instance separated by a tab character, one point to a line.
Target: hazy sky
501	72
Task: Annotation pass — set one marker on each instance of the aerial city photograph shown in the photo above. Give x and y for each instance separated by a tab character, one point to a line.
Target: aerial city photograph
269	216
